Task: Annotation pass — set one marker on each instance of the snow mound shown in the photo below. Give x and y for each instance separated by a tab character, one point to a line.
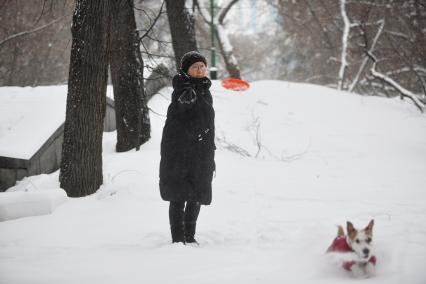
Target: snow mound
15	205
34	196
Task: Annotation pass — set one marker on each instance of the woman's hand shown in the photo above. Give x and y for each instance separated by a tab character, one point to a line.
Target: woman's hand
188	96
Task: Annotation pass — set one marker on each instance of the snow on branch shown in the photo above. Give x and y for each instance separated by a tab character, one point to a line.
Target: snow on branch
370	3
420	69
30	31
364	62
226	45
404	92
346	29
200	10
153	23
363	24
400	35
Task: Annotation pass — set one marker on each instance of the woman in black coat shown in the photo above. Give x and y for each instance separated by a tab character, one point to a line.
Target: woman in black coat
187	148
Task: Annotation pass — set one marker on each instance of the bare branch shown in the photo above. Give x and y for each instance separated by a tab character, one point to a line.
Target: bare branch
400	35
323	30
232	147
404	92
41	13
197	5
30	31
225	11
153	23
364	62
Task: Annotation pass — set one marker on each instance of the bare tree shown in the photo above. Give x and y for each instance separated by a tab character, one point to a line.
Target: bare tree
131	111
403	91
225	46
81	165
34	42
310	40
389	52
338	39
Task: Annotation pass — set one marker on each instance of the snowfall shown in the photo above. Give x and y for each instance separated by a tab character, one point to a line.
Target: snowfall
293	161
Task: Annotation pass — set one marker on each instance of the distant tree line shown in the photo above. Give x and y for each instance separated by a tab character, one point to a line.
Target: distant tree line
375	47
35	42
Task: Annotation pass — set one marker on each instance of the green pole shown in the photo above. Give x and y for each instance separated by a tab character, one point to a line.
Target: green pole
213	69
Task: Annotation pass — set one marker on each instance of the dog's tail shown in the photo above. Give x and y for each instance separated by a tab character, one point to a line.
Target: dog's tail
340	232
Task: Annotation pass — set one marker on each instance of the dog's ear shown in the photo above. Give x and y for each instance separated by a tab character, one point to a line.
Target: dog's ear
340	232
369	227
350	228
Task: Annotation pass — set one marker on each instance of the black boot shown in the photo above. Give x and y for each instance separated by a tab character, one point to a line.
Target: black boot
176	212
178	235
192	210
190	233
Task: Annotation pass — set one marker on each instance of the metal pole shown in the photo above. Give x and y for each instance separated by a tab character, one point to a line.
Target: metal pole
213	69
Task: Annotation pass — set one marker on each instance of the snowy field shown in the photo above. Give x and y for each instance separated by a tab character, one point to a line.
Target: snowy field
293	161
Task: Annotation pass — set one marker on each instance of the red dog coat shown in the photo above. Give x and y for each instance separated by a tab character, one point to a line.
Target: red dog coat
341	245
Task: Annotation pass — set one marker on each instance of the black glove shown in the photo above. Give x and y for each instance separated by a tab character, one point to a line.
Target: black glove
188	96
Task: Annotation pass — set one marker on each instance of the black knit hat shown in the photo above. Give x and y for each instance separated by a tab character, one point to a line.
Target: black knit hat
190	58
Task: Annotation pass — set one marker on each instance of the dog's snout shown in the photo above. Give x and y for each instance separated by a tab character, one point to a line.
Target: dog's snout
366	251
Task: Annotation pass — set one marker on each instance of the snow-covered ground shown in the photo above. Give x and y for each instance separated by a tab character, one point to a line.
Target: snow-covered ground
309	158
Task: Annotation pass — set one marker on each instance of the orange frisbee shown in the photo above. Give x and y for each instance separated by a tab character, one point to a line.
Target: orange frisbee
235	84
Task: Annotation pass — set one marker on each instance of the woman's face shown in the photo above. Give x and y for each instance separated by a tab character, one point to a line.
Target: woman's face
197	70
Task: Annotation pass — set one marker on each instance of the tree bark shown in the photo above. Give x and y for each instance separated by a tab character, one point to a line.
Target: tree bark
231	63
225	46
131	111
182	29
81	165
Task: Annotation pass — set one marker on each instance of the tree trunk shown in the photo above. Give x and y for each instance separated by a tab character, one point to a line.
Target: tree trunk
181	24
81	165
226	50
131	111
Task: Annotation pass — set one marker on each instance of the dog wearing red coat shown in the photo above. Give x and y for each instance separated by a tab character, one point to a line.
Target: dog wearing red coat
357	245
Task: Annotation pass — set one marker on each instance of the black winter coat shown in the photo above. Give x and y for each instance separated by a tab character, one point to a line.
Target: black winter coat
187	147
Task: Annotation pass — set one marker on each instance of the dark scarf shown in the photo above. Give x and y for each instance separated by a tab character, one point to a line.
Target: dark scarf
182	80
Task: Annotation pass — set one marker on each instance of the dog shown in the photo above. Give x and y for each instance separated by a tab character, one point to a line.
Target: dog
357	248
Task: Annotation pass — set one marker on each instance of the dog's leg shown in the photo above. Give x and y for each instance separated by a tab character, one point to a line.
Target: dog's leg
370	269
358	271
